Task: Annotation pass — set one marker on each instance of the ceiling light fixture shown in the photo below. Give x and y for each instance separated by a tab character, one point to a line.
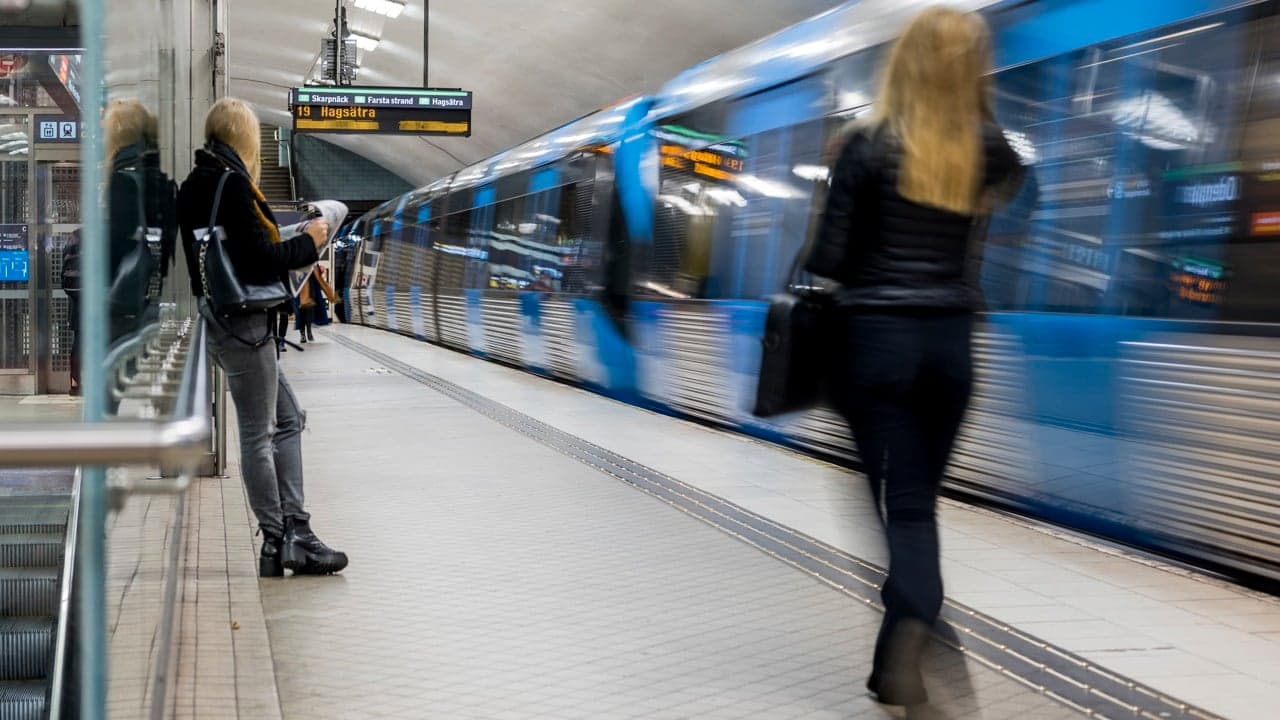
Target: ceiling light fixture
388	8
365	42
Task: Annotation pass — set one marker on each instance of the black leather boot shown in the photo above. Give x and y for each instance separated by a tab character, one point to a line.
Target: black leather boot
305	554
900	682
269	559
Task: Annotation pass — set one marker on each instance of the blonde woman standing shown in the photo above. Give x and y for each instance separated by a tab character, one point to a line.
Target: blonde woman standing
270	419
905	194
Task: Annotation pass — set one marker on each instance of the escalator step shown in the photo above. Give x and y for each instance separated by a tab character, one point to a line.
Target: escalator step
30	550
22	700
33	514
29	592
25	646
30	528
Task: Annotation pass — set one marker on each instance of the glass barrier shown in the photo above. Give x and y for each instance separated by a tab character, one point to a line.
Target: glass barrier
102	361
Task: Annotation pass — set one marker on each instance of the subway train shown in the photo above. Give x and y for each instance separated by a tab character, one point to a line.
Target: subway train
1129	352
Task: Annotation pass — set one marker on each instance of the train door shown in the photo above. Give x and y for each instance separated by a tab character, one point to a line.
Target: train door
366	273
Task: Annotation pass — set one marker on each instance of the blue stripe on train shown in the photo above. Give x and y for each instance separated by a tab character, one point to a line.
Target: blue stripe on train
614	373
389	312
533	345
415	311
475	323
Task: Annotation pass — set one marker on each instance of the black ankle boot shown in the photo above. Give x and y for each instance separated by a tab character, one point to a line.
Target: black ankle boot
309	335
305	554
269	560
900	682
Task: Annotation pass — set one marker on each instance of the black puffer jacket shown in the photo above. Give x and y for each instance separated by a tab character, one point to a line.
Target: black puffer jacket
888	252
257	260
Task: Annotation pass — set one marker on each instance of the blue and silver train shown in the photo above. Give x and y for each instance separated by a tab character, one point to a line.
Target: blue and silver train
1129	357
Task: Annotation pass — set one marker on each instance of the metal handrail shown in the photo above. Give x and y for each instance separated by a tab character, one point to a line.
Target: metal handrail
183	439
62	640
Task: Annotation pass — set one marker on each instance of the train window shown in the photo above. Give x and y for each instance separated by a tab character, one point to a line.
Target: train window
475	255
1137	152
542	242
853	79
451	250
694	179
1247	271
783	171
512	245
731	214
581	253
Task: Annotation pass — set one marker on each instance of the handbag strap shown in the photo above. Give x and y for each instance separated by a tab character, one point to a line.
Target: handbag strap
208	229
217	198
142	202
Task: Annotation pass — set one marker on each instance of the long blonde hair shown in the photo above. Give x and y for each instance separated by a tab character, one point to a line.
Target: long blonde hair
934	97
231	121
125	123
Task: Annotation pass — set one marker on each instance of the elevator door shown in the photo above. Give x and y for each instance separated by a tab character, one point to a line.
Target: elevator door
58	191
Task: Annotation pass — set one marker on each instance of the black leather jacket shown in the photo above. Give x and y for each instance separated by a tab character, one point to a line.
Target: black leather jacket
889	253
256	259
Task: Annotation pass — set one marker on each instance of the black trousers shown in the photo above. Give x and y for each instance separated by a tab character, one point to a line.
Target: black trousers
902	382
73	320
306	316
282	325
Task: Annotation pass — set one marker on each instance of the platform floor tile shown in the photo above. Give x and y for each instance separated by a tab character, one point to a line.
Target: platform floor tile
492	577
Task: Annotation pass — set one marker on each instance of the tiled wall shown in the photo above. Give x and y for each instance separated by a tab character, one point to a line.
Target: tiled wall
326	171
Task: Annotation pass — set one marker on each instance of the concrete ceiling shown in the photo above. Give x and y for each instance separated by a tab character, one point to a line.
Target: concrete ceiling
532	65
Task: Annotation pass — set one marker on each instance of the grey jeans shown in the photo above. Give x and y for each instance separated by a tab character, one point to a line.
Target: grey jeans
271	421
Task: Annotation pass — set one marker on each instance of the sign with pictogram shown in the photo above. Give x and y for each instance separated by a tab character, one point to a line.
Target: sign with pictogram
57	129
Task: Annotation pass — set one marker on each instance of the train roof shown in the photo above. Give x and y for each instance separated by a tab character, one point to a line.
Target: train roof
598	128
788	54
795	52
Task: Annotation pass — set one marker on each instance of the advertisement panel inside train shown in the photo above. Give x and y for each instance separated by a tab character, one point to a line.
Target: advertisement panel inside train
387	111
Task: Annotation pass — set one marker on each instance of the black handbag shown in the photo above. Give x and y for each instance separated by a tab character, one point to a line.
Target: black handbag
792	366
128	296
223	291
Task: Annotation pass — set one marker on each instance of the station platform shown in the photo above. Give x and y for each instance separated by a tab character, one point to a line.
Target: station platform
520	548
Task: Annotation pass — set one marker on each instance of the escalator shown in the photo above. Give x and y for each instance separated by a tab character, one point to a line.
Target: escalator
33	530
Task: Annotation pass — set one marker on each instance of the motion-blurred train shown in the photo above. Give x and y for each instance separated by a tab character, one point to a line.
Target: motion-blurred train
1129	356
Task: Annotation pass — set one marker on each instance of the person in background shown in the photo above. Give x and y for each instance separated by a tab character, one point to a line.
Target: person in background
270	418
282	326
906	191
71	286
326	299
313	292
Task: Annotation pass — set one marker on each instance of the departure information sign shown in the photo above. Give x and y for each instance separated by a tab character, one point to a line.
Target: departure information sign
389	111
14	261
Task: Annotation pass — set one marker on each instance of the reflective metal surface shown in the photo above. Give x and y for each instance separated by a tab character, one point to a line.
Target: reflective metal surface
181	440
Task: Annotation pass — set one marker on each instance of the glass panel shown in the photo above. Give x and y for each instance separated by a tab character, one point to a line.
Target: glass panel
148	295
16	245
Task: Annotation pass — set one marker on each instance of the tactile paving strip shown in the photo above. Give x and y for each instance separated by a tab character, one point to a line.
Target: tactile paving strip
1053	671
